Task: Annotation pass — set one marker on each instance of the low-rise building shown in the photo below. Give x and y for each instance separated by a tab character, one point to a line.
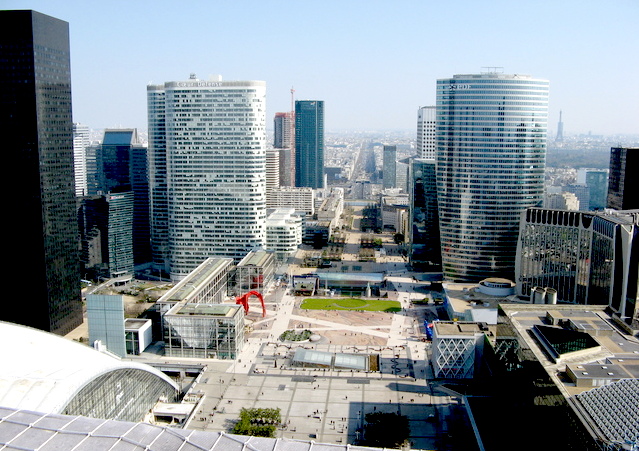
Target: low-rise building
255	271
283	232
458	347
209	331
206	284
299	198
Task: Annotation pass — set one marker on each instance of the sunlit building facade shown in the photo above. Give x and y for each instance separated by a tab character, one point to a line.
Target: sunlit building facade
309	143
588	258
209	138
209	331
426	120
491	148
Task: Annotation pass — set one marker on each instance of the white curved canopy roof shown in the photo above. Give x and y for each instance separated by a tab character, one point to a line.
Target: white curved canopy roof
41	371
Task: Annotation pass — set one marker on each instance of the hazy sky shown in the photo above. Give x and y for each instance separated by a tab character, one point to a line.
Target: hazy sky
374	63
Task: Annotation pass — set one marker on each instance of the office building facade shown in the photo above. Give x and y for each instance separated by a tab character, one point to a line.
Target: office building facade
105	317
35	117
389	168
284	124
209	140
491	147
588	258
106	235
309	143
622	181
121	166
81	140
423	237
283	140
597	182
426	142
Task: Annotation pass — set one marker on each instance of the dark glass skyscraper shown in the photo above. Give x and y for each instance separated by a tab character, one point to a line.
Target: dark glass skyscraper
622	184
124	168
309	143
37	130
425	252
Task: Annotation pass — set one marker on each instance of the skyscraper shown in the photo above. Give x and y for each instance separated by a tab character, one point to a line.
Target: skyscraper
309	143
207	144
81	141
426	117
121	166
597	182
491	147
622	182
425	252
284	127
389	167
35	120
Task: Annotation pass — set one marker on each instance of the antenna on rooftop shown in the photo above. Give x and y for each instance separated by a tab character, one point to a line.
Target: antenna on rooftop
492	70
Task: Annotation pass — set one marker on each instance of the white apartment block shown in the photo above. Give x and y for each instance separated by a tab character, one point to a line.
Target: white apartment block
298	198
207	146
283	232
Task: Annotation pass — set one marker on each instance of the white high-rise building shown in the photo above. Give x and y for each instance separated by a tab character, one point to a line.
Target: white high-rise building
272	170
207	142
81	140
491	153
426	142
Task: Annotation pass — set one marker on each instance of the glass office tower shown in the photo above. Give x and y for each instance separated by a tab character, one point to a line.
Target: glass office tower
491	148
37	133
309	143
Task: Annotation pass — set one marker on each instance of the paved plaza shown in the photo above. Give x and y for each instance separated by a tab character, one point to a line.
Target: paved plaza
324	405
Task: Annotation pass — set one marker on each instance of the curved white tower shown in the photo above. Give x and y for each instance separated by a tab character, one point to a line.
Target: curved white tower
491	149
215	169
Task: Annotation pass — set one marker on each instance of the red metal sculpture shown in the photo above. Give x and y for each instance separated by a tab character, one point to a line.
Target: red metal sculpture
243	300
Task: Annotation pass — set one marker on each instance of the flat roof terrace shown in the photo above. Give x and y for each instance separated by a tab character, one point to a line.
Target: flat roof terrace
207	310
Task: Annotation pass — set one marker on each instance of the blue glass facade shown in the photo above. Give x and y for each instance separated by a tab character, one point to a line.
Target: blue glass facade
491	148
309	143
425	252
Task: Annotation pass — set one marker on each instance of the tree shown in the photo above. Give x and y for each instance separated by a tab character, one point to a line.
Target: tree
258	422
386	430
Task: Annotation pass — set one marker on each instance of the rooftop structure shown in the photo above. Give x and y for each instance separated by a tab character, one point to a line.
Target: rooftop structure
479	301
585	352
206	284
24	429
46	373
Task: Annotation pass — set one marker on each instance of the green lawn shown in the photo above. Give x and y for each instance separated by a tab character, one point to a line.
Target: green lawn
371	305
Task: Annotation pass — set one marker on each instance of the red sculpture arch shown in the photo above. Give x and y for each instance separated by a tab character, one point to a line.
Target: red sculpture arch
243	300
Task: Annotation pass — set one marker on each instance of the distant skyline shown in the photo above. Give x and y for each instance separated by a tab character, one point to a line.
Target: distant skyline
373	63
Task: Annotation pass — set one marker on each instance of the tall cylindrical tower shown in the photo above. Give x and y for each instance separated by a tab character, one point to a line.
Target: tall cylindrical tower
491	148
